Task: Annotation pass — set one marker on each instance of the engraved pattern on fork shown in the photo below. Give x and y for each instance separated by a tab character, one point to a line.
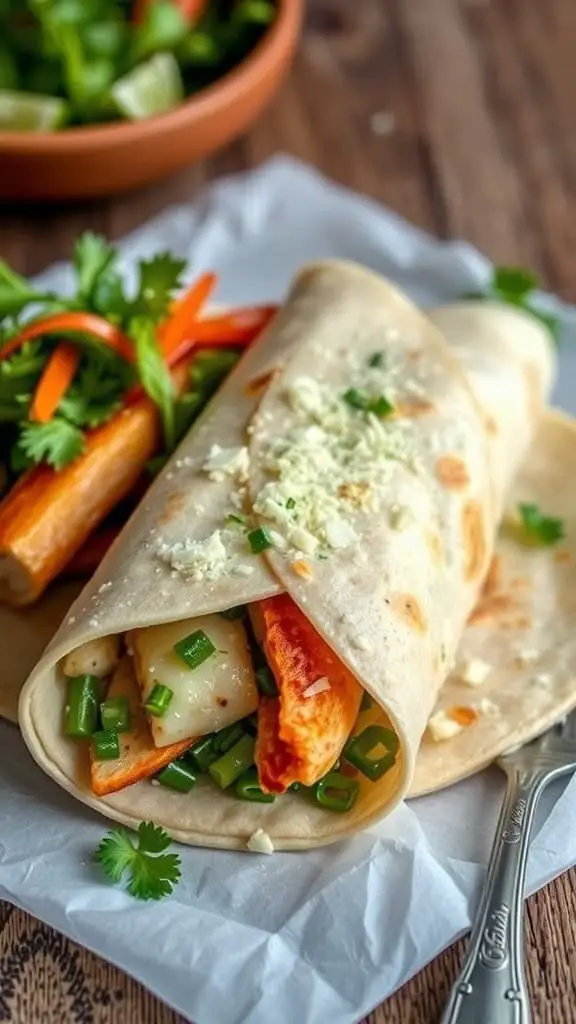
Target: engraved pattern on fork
491	987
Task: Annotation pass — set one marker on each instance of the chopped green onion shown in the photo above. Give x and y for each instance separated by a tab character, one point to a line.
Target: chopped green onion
357	399
159	700
106	745
233	763
259	12
251	724
226	738
202	753
82	697
539	528
115	714
177	775
234	613
235	520
336	792
266	682
290	503
377	359
259	540
367	702
359	749
195	649
294	787
248	788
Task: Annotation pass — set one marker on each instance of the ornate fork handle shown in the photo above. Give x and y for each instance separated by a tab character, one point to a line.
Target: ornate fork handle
491	987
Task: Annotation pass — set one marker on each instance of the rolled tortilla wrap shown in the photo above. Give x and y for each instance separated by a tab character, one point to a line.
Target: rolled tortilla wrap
390	538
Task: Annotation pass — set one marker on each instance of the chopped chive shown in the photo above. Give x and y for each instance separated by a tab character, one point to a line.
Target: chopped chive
234	613
158	700
355	398
360	749
381	406
226	738
290	503
115	714
336	792
81	718
248	788
106	745
377	359
367	702
202	753
195	649
266	682
233	763
259	540
235	519
177	775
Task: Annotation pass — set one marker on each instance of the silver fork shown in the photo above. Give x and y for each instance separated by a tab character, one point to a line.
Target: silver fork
491	987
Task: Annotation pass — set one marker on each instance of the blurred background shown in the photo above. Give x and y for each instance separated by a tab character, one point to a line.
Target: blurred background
456	113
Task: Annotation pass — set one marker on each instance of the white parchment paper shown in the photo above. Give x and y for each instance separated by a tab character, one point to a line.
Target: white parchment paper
294	938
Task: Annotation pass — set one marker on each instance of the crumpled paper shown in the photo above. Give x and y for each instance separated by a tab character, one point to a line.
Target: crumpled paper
298	938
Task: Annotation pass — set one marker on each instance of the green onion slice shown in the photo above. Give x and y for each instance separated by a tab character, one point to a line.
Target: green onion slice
377	359
159	700
357	399
336	792
259	540
195	649
226	738
291	503
231	765
106	745
362	751
81	717
177	775
202	753
367	702
248	788
266	682
115	714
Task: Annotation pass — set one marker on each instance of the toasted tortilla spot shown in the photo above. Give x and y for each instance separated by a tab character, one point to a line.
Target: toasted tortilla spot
300	737
533	391
492	607
139	757
436	546
258	385
562	556
493	580
491	425
412	408
174	504
358	494
473	540
407	607
463	715
452	473
519	583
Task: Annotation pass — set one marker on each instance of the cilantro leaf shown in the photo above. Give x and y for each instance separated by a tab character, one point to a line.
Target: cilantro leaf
154	375
57	442
152	873
96	394
514	286
160	278
92	257
539	528
16	292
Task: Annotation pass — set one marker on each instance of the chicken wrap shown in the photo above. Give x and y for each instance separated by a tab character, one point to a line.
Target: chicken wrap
257	657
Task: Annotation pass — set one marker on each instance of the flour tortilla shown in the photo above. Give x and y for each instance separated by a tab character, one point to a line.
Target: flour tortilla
393	609
522	627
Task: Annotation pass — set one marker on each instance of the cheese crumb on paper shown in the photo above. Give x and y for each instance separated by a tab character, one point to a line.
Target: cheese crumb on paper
442	727
474	672
260	842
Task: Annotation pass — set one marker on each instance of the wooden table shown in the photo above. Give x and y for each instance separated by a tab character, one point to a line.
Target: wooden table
459	114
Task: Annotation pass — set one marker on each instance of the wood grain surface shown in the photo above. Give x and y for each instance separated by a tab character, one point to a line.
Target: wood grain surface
459	114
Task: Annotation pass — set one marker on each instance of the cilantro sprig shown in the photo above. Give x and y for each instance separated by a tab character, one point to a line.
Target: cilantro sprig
539	528
139	856
516	286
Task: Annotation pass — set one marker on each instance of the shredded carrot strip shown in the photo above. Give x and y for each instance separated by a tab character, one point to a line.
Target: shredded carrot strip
185	313
463	715
55	380
238	328
85	323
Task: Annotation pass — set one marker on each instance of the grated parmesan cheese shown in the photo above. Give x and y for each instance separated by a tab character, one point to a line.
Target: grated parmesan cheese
199	559
223	462
260	842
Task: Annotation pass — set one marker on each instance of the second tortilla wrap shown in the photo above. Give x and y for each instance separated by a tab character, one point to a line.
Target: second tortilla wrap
392	603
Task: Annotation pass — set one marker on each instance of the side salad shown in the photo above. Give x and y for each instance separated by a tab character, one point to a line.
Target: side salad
72	62
96	390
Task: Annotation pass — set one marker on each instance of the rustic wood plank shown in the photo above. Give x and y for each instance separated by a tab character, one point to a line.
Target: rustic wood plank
473	136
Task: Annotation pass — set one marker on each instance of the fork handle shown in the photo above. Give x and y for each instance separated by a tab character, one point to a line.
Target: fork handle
491	987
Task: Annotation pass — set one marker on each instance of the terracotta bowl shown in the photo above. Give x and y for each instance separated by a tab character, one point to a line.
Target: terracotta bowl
98	161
